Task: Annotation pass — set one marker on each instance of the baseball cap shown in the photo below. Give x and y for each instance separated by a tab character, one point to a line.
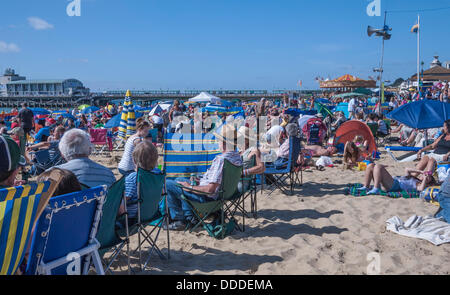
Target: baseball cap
10	157
50	121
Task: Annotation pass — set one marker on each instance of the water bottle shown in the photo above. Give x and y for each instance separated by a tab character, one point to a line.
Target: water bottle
192	179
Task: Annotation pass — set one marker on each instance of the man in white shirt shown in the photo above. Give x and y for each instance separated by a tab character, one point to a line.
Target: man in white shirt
351	108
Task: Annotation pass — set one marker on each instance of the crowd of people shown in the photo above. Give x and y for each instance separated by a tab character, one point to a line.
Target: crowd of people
256	138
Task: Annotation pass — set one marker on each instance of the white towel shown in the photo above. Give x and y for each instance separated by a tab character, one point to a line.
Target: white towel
434	230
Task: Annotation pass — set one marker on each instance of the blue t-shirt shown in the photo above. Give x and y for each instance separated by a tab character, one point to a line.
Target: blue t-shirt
44	131
131	191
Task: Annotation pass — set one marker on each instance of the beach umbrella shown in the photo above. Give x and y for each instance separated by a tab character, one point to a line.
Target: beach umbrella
363	91
127	126
40	111
83	106
352	94
422	114
90	110
323	109
114	122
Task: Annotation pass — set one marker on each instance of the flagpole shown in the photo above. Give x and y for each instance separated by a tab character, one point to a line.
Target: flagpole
418	54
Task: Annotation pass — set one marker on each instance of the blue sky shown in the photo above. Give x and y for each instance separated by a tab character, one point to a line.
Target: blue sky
206	44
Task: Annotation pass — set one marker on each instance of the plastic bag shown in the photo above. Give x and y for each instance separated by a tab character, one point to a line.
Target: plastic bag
324	161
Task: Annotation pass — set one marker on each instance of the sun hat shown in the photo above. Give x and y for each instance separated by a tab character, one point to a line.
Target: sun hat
17	131
10	157
226	132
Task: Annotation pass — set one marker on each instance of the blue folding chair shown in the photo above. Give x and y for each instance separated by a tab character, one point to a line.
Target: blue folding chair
66	233
185	154
281	175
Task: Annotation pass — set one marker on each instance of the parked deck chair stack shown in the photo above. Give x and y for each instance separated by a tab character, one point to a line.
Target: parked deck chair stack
64	240
20	207
286	178
225	204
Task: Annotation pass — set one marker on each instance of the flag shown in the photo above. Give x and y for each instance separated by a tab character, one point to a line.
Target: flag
415	28
300	83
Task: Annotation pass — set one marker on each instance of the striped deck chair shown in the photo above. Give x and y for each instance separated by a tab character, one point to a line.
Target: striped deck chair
185	154
64	240
20	207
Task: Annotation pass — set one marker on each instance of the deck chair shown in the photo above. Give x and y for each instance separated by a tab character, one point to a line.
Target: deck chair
109	237
64	240
409	157
288	173
225	203
99	139
150	193
20	207
185	154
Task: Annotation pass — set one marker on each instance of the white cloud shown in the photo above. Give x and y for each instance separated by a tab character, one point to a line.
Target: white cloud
39	24
8	47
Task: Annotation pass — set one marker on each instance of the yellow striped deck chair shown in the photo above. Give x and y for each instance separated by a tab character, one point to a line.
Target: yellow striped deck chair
19	209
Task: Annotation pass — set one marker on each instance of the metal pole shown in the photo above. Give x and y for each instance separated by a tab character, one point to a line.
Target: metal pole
382	60
418	55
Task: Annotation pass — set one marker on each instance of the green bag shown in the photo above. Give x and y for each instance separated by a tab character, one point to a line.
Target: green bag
217	230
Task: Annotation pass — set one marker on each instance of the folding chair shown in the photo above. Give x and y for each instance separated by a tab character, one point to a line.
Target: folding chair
64	240
289	173
99	138
44	160
225	203
108	235
20	207
409	157
150	193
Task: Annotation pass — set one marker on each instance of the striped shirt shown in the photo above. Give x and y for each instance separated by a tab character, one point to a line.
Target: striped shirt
89	173
127	163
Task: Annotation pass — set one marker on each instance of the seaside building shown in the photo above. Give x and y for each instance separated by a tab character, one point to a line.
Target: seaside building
11	84
436	73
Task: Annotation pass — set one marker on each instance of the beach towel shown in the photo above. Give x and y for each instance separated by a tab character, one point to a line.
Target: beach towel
434	230
352	189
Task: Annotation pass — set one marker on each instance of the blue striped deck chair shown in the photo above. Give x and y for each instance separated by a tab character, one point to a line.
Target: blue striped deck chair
185	154
19	208
64	241
409	157
289	172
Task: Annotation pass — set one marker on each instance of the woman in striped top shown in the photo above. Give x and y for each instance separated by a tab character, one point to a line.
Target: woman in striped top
126	165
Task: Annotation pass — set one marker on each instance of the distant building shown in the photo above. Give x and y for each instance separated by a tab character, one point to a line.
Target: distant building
436	73
447	65
12	84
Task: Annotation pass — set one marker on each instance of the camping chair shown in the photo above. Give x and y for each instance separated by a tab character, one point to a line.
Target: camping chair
44	160
65	234
107	235
99	139
20	208
289	173
248	190
150	193
225	203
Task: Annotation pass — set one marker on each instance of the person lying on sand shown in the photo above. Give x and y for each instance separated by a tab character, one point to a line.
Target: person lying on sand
382	178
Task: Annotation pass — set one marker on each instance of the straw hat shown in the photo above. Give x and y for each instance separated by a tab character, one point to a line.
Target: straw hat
226	132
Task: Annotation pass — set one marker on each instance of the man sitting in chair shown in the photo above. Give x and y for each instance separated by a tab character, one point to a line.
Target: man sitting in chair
181	214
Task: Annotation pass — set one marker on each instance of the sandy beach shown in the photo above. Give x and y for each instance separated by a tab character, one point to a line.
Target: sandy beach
318	230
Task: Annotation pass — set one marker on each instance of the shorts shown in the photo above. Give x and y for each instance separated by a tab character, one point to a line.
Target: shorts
396	186
438	158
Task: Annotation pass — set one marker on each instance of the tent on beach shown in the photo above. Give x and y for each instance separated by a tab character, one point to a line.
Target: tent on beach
350	129
205	97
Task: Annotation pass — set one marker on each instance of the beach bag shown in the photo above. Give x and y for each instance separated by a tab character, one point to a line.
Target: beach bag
215	230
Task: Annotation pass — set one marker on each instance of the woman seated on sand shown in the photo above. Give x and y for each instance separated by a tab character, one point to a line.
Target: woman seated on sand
382	178
355	151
